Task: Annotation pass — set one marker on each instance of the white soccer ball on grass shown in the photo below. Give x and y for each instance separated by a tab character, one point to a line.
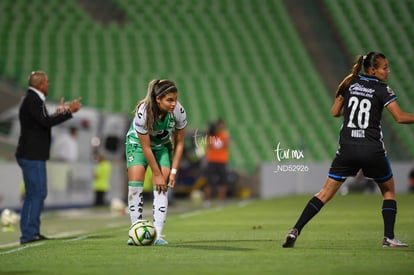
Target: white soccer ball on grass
142	232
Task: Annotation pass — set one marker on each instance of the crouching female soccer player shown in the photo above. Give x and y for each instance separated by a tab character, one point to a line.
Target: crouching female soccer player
361	98
155	138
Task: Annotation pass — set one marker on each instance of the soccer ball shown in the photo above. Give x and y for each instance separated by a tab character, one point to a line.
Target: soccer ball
117	206
197	197
9	217
142	232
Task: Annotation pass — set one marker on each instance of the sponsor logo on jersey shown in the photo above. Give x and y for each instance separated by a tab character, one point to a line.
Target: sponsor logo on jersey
358	89
172	123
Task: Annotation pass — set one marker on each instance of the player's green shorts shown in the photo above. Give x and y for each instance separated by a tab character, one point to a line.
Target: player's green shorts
135	156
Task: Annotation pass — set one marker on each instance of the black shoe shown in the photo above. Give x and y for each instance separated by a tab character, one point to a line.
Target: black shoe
36	239
42	237
291	238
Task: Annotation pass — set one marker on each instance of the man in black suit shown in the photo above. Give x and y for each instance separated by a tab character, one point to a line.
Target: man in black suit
33	150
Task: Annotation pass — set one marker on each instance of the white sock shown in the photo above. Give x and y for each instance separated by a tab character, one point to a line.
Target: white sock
160	207
135	202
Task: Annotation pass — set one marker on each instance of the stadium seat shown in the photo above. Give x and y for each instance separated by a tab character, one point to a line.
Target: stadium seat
362	31
243	62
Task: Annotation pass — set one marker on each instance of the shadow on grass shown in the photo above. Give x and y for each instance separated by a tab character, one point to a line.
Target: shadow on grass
10	272
351	246
207	245
84	237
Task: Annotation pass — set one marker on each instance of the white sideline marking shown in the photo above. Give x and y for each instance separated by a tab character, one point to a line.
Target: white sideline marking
60	235
78	238
191	214
240	204
9	244
198	212
68	234
245	203
20	248
37	244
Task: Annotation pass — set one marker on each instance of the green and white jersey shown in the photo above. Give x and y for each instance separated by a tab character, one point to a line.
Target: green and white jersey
163	129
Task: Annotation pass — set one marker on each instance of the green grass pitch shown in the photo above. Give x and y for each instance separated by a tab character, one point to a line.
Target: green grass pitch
241	238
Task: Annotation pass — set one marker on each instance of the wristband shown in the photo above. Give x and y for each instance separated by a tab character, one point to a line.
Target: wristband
173	171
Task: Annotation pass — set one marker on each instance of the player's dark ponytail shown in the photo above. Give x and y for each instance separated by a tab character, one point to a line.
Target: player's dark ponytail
366	61
347	80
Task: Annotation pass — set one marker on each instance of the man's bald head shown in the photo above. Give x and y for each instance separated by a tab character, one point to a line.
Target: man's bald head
39	81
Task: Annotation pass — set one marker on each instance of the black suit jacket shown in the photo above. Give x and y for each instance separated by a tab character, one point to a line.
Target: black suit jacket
35	127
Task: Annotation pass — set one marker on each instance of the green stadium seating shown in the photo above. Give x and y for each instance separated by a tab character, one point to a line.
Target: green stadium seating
385	27
239	60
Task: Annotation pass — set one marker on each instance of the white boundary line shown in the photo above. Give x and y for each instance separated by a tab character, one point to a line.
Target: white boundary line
214	209
67	234
79	238
20	248
198	212
8	244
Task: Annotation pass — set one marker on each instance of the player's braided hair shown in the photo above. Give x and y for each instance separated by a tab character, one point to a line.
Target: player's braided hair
365	61
156	88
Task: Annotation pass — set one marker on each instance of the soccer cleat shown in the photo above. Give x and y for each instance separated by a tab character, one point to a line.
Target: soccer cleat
160	242
387	242
291	238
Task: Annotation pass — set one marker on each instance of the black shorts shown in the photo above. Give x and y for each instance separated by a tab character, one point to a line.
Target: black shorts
216	173
372	160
